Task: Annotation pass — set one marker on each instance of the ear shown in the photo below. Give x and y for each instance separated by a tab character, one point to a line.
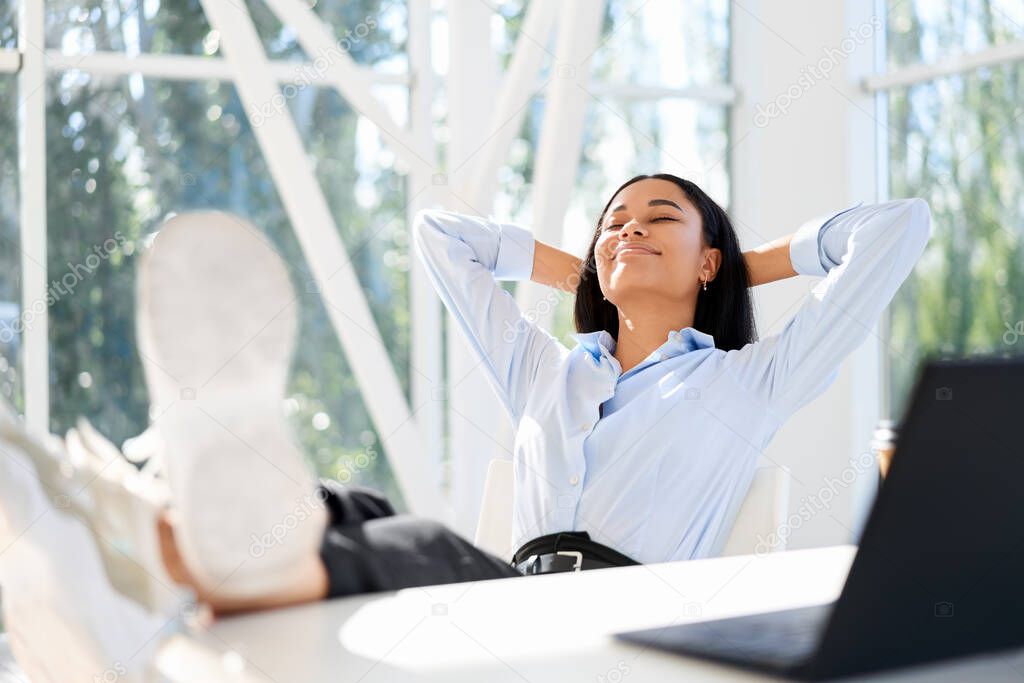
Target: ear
712	261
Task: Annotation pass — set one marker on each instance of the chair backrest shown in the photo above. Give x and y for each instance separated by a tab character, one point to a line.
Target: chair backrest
755	528
494	525
758	525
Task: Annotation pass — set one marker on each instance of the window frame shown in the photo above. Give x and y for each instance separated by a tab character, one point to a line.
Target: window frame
33	63
905	77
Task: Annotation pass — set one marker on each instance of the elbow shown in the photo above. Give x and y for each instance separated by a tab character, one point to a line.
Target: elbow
919	222
422	223
425	227
913	221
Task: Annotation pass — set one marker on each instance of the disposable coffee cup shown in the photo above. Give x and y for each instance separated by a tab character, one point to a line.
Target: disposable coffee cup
883	444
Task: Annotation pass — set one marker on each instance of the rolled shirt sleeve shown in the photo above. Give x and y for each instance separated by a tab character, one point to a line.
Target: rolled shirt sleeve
807	249
515	252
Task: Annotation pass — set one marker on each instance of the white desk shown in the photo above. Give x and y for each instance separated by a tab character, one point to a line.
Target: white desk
534	629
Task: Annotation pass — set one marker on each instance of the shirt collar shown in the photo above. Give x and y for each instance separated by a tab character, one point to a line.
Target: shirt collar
596	343
678	342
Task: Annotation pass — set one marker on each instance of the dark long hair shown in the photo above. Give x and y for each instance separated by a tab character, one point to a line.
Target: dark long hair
724	310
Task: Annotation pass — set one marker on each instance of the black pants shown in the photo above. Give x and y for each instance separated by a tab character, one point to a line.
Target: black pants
368	548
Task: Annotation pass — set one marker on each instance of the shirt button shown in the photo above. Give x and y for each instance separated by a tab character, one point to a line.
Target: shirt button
574	479
585	426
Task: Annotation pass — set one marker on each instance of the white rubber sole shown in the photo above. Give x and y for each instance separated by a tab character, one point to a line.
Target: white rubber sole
216	328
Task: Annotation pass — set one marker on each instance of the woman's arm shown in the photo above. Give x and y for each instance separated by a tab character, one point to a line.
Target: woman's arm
864	253
465	256
555	268
770	262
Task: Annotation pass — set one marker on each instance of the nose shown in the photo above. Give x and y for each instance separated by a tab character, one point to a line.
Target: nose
634	228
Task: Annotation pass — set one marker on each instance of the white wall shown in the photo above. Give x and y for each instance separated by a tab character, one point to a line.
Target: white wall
819	155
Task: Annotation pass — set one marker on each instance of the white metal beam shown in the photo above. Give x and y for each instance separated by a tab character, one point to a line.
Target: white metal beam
10	61
711	94
474	413
177	67
193	68
416	147
32	181
321	243
863	154
906	76
341	72
561	135
513	100
425	307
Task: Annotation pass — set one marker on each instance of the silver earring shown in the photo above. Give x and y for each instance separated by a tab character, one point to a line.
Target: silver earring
705	283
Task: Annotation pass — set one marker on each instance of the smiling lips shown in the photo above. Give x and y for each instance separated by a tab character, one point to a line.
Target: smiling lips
634	248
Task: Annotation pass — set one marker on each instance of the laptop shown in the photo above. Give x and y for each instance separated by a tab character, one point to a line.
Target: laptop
939	571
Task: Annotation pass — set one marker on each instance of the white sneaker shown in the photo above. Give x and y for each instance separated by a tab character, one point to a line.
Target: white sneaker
147	451
64	619
217	320
87	477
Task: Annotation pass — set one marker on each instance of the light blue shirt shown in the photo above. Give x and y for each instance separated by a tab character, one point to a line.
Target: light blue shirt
661	474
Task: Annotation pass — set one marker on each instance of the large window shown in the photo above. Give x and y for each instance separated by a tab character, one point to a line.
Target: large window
128	146
124	153
958	141
10	240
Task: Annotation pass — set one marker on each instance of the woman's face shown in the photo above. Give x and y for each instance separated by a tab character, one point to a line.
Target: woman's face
650	244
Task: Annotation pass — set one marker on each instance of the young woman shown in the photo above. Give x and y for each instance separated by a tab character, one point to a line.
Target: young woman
646	434
635	445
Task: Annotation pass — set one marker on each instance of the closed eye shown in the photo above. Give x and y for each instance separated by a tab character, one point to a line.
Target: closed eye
653	220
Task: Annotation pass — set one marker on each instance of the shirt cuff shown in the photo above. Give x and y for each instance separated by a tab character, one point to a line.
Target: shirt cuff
805	248
515	252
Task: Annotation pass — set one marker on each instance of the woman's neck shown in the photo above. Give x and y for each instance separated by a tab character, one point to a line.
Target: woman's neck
644	326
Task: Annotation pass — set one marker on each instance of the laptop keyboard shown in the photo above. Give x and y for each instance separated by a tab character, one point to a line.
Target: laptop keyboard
774	638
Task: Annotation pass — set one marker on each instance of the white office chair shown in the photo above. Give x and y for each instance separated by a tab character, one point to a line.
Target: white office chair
760	517
756	521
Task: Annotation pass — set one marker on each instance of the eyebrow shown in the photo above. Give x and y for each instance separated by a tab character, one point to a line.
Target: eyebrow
653	202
